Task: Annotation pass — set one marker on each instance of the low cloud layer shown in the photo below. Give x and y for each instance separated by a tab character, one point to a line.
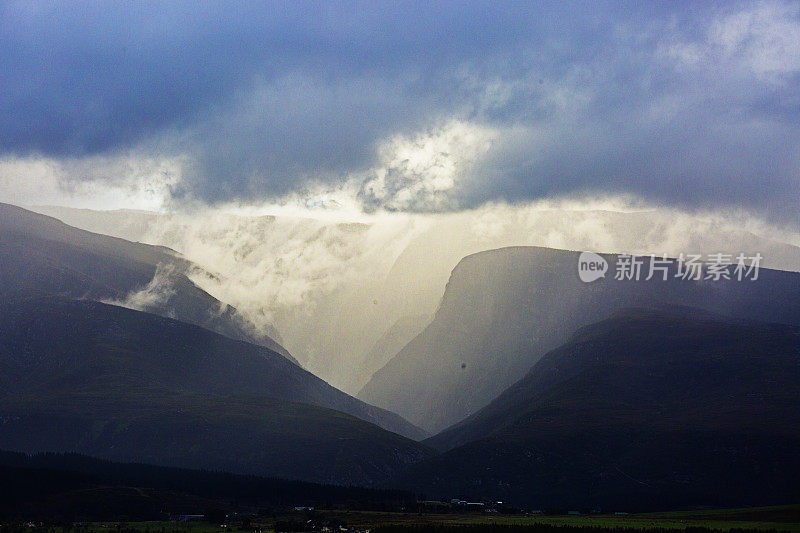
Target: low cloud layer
153	297
405	107
422	172
333	285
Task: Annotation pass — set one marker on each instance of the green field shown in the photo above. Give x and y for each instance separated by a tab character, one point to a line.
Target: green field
783	518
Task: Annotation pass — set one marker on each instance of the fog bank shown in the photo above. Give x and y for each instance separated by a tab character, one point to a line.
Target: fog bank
333	280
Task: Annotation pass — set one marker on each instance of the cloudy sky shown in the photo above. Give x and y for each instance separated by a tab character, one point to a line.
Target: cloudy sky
398	106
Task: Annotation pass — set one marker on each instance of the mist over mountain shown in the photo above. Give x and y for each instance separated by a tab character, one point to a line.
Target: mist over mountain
650	408
503	309
44	256
395	338
334	282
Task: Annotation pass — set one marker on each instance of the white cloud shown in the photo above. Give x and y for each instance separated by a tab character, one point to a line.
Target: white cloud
126	181
761	40
419	172
765	37
422	172
153	296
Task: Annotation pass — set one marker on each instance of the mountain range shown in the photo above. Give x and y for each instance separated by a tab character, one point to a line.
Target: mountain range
298	275
42	255
504	309
650	408
120	384
539	389
76	356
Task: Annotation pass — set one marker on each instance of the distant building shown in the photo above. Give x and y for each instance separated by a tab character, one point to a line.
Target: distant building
186	517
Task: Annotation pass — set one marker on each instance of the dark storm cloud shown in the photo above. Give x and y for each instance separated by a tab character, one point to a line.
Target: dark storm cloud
88	77
680	103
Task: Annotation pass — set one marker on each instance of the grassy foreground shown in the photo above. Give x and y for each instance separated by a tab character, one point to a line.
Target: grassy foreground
782	518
